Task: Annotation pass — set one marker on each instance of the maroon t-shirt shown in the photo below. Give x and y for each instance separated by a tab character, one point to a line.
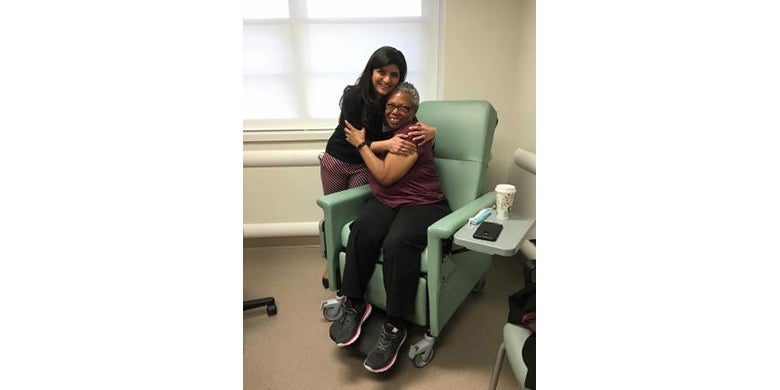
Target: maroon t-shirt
419	186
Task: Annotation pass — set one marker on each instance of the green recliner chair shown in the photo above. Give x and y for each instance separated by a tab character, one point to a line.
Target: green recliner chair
461	152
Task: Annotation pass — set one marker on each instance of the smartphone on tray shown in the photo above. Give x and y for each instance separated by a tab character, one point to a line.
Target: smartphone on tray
488	231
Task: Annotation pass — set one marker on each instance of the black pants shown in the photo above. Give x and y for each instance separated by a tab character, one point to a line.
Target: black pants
401	235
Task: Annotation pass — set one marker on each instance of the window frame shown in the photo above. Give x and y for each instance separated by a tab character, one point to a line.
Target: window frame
430	20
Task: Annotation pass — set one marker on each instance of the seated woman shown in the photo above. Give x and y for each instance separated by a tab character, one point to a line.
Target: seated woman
407	199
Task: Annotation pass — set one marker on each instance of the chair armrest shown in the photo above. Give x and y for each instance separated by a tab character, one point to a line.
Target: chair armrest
447	226
347	198
442	230
338	209
515	337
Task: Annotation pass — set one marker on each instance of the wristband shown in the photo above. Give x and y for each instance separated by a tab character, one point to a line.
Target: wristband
360	145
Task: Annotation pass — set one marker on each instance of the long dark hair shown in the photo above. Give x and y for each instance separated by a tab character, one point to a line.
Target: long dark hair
383	56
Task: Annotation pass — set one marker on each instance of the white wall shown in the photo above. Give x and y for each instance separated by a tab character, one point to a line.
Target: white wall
489	53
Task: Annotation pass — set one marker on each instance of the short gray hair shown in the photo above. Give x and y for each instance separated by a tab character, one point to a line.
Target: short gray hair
412	91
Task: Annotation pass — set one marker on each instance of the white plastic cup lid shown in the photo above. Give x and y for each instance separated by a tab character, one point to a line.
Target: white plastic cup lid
505	188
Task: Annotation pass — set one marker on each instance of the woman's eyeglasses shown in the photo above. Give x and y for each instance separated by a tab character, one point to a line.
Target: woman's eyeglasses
389	107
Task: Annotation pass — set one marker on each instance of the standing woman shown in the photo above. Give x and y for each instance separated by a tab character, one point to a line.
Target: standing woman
363	105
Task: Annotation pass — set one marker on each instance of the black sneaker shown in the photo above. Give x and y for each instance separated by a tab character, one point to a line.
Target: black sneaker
346	329
383	356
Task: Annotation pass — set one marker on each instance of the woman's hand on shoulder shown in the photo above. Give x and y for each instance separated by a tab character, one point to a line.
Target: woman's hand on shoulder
421	133
399	145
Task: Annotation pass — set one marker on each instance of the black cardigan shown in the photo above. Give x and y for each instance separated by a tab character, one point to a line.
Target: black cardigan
352	110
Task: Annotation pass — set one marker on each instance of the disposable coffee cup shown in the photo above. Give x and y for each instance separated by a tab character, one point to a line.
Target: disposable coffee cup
505	197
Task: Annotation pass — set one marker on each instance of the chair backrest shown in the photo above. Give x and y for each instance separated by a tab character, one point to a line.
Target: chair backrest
464	136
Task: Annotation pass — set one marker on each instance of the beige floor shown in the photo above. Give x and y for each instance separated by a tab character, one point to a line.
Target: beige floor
292	350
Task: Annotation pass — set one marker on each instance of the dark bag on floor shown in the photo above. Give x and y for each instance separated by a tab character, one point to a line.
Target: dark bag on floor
522	307
529	357
522	311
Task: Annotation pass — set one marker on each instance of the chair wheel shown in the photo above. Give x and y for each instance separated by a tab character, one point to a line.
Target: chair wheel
422	359
271	310
332	313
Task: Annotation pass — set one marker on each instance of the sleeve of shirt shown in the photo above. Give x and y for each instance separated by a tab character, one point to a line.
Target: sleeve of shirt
351	110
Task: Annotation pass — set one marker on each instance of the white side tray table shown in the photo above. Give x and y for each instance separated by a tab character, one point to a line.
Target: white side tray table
513	234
